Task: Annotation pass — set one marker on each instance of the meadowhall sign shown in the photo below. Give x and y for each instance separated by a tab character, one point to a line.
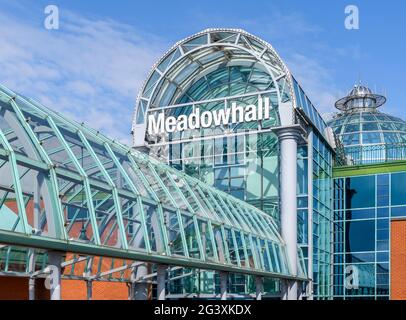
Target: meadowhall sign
236	114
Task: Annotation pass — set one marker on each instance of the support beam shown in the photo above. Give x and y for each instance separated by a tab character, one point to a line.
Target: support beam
76	247
223	285
115	270
31	280
161	280
259	287
288	140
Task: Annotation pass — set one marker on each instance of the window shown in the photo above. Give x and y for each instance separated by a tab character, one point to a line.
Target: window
350	139
371	137
398	194
352	128
366	280
360	192
371	126
360	236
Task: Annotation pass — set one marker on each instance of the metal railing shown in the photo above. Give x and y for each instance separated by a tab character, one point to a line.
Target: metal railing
374	154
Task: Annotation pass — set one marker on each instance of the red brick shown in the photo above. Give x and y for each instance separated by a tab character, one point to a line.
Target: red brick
398	260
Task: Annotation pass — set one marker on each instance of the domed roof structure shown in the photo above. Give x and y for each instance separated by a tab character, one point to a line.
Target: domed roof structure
360	98
367	134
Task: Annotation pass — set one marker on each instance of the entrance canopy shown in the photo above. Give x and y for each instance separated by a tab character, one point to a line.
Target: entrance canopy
68	188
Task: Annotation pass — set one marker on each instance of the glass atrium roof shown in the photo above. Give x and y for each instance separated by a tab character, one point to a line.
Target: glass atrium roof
63	183
369	128
362	124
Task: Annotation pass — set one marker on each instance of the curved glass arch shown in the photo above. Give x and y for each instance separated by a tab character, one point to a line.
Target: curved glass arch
204	56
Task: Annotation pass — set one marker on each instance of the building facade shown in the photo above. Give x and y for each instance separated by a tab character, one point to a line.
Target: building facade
219	69
369	200
283	160
235	188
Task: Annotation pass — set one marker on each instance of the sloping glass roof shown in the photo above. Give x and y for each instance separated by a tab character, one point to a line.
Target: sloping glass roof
64	183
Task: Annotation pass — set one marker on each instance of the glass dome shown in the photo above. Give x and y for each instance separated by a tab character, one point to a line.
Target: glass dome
368	136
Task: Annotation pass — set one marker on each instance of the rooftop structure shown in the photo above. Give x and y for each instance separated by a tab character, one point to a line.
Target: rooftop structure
368	135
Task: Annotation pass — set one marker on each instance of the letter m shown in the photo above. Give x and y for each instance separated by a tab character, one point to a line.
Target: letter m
156	124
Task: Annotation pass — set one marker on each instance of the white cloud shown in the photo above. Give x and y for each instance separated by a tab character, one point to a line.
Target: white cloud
316	80
90	70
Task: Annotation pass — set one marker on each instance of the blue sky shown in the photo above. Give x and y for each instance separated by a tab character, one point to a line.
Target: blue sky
93	66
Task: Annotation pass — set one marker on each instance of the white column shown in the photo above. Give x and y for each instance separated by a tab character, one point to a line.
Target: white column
31	280
223	285
54	265
161	279
259	287
288	138
310	216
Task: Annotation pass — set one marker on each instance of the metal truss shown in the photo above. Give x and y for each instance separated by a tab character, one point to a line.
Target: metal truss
201	71
67	188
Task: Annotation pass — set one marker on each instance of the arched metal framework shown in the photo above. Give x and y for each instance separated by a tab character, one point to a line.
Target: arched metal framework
67	187
210	69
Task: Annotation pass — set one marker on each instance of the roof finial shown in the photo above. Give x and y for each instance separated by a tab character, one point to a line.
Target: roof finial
360	98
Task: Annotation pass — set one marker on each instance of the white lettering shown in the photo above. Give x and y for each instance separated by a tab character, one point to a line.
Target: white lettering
223	116
182	123
267	109
234	110
194	120
170	124
158	123
207	119
250	113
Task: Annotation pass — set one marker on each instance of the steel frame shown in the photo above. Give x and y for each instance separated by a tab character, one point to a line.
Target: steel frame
122	199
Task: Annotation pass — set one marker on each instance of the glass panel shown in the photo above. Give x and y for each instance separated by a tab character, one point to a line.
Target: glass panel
206	240
372	137
364	275
360	192
398	194
370	126
174	233
360	236
191	237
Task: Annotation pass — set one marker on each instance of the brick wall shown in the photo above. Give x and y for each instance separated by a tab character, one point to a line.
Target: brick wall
398	260
76	290
16	288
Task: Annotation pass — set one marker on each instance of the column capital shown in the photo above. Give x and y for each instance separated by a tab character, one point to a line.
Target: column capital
289	132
